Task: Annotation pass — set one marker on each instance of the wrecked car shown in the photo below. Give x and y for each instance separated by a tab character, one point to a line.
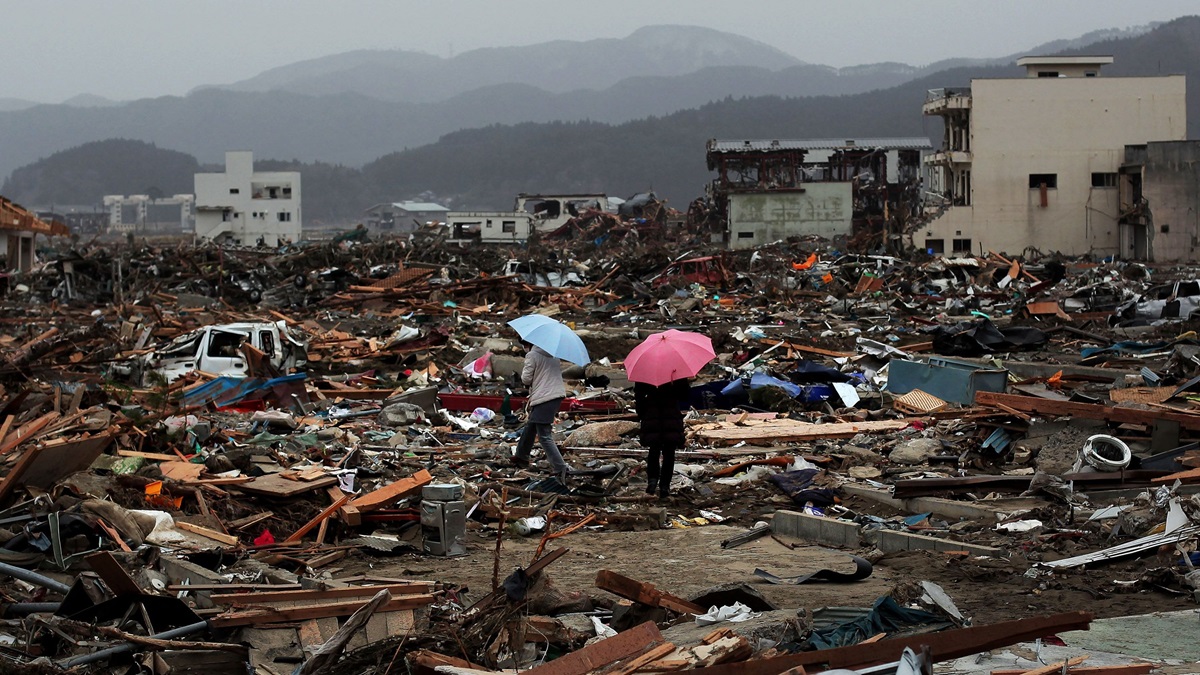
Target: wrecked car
707	271
217	350
1177	300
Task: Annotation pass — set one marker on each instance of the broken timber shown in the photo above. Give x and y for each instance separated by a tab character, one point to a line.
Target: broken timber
1091	411
950	644
392	493
645	593
593	658
785	430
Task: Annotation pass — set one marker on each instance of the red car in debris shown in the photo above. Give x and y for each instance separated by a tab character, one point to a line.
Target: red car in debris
706	271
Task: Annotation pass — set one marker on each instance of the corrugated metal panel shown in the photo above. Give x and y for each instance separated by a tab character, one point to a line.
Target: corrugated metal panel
902	143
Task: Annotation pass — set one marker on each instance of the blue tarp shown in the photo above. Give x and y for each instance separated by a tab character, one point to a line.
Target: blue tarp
225	390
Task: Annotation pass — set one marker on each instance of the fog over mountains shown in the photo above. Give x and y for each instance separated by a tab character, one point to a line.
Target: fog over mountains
613	115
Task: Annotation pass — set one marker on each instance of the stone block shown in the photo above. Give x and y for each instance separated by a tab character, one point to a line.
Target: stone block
828	531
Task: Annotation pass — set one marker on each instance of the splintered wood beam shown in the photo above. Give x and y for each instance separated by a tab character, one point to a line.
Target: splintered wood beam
644	593
390	494
1090	411
320	518
596	656
261	615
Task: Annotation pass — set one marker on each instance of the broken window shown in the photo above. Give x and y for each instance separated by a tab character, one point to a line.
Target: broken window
508	226
935	246
267	340
1037	180
960	245
222	344
1104	180
285	217
745	235
234	191
1047	73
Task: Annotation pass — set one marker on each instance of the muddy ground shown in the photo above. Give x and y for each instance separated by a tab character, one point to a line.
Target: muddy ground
687	561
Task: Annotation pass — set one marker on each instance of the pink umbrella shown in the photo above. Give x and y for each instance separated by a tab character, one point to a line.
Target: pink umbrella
670	355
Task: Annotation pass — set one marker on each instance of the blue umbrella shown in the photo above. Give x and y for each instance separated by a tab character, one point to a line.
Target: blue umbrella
556	338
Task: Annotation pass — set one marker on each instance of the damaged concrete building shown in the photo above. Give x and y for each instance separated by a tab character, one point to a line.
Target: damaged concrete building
1160	201
1033	162
244	207
770	190
531	213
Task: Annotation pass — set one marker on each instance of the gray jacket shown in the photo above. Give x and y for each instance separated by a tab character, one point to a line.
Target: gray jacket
543	374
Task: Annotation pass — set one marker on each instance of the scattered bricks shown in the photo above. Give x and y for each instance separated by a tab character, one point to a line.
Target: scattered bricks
824	530
889	541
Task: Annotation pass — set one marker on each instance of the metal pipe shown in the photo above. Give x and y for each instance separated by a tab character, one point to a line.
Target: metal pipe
33	578
129	646
23	608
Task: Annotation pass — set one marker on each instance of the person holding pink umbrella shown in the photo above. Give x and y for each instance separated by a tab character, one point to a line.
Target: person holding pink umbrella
660	368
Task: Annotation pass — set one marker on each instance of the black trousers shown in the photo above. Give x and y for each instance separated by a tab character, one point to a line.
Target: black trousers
659	477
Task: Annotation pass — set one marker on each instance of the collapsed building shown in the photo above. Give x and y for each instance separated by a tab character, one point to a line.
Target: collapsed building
770	190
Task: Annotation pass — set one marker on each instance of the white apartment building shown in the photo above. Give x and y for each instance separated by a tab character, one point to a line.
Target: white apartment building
141	214
244	207
1034	161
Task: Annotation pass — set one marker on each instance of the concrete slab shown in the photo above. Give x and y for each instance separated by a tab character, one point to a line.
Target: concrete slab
948	508
1161	636
890	541
828	531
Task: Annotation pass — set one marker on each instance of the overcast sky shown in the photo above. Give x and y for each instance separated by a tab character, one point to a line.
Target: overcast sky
124	49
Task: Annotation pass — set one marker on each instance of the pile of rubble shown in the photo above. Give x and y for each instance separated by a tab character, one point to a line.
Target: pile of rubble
222	457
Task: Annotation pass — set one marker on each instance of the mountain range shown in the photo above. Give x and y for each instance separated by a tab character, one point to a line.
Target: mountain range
637	125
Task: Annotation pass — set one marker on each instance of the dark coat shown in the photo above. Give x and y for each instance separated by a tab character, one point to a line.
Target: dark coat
659	414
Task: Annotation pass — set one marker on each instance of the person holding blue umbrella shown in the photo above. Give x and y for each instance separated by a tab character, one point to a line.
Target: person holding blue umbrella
550	341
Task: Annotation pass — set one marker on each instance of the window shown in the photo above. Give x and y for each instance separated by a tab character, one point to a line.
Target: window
961	245
745	235
508	226
1104	180
935	246
1090	73
1037	180
222	344
1047	73
285	217
267	340
234	191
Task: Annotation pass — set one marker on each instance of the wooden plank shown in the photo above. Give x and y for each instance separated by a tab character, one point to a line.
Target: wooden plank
157	456
1057	667
390	494
349	515
274	485
320	518
1091	411
646	594
943	646
1189	476
8	422
302	612
227	539
1131	669
44	466
260	597
181	471
27	431
654	654
785	430
597	655
242	523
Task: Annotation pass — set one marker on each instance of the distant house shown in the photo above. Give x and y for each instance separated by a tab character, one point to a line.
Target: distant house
20	227
403	216
244	207
141	214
